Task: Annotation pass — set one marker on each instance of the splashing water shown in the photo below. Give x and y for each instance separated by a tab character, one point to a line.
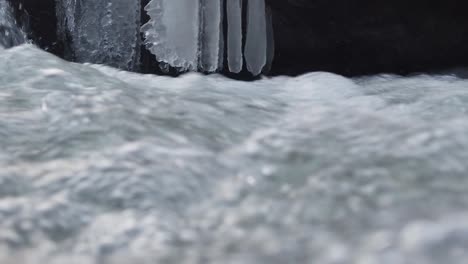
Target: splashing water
103	166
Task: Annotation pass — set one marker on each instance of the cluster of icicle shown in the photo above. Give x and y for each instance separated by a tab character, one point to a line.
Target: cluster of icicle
189	35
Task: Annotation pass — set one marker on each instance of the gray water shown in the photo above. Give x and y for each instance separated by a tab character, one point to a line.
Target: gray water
103	166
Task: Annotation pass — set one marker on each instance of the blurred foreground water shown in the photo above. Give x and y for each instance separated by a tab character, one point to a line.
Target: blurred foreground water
103	166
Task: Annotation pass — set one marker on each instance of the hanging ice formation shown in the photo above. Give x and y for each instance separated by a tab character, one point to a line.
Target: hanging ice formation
101	31
234	37
172	34
10	34
188	34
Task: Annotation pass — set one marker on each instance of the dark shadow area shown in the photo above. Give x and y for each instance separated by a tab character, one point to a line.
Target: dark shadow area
351	38
367	37
40	22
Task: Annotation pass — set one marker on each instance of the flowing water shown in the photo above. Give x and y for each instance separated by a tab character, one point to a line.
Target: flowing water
104	166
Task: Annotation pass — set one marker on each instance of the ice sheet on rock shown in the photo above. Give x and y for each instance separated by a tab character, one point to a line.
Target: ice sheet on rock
211	35
256	39
172	34
234	35
10	33
104	32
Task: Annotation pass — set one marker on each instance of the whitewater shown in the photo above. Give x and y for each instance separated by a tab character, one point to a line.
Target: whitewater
105	166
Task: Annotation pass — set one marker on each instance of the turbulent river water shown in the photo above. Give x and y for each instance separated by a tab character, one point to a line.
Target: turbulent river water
104	166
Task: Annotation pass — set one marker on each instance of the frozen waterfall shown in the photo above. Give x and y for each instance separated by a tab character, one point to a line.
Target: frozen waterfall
188	34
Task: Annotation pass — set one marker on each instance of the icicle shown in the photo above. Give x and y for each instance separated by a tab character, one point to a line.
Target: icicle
211	33
172	34
256	41
234	37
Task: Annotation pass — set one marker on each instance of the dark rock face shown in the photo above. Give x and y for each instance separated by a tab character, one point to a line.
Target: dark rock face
369	36
39	19
345	37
